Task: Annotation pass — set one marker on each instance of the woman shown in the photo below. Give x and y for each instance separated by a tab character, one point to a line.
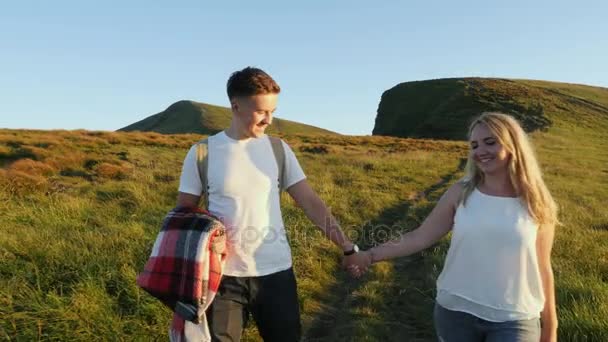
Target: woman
497	280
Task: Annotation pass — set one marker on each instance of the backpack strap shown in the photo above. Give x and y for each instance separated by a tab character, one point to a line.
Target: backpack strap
202	163
279	156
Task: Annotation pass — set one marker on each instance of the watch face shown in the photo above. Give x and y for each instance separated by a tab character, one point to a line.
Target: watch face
352	251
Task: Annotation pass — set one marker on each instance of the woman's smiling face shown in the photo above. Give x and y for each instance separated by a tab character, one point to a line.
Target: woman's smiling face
487	152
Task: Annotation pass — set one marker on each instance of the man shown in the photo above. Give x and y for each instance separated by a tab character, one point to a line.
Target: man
243	191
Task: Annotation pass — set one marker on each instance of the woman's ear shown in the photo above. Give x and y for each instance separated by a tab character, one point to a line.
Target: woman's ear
512	157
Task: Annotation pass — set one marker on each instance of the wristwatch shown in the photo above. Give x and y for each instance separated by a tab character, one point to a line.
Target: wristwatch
352	251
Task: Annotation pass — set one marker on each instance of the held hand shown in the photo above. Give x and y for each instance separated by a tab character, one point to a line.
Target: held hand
358	263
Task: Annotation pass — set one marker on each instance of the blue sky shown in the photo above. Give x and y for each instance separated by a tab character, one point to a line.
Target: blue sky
102	65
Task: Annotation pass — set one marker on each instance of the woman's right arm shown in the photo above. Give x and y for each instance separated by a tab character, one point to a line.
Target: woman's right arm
435	226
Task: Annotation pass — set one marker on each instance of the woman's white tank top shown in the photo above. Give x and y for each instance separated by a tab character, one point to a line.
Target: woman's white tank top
491	270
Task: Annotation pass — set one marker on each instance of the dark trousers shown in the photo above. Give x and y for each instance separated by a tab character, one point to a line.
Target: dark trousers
272	300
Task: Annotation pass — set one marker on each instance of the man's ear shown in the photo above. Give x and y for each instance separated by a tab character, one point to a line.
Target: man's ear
234	105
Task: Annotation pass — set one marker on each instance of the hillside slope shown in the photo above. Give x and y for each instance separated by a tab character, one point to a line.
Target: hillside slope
201	118
443	108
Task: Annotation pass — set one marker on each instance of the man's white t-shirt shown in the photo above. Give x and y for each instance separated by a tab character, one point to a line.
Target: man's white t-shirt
244	195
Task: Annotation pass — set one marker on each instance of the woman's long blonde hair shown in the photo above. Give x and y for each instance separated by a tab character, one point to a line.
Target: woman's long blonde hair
524	171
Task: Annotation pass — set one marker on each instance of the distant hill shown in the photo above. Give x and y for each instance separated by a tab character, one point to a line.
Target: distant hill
443	108
195	117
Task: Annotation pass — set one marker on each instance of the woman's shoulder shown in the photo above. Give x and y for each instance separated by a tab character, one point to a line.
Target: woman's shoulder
456	189
454	193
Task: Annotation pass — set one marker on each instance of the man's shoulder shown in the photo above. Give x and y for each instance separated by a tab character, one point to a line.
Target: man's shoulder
277	139
215	138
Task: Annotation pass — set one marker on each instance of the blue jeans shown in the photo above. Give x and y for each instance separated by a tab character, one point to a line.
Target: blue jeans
456	326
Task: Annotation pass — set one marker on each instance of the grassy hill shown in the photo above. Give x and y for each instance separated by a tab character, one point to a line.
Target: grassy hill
443	108
80	211
202	118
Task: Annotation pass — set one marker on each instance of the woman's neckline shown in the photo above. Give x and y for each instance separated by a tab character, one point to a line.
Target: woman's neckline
494	196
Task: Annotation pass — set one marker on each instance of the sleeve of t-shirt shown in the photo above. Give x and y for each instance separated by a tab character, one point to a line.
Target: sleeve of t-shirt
190	180
293	170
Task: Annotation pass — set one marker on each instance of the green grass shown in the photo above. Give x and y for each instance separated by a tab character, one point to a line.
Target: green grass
80	211
72	243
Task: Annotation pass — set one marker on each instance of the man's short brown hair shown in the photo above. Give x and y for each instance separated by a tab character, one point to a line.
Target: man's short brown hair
249	82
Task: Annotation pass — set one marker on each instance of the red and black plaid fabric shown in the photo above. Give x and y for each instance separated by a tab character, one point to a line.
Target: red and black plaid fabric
186	264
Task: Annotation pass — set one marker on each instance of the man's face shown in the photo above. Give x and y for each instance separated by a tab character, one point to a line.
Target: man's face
254	113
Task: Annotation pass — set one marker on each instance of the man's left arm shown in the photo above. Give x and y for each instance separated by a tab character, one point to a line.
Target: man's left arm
316	210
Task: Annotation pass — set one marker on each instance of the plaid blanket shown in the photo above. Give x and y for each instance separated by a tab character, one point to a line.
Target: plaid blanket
185	268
